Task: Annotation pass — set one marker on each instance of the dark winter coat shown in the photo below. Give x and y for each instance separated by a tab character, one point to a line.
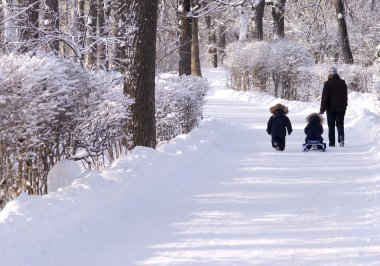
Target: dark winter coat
278	123
314	128
334	95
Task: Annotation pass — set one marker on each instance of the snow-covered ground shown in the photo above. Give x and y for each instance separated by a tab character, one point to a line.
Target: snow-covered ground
218	196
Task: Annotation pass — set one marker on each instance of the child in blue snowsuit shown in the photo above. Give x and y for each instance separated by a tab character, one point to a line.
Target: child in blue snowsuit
277	125
314	128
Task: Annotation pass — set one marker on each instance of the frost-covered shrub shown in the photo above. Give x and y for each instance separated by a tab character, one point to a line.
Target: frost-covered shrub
52	109
358	78
376	86
104	118
286	59
311	80
286	70
272	67
179	103
377	93
238	64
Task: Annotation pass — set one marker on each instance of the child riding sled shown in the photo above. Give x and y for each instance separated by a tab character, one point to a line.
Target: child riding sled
314	131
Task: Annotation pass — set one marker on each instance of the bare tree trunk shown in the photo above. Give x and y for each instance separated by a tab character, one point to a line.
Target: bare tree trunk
64	26
91	35
9	32
212	50
27	23
372	4
74	27
278	9
221	42
343	35
103	14
140	69
117	53
2	12
243	36
258	33
51	23
195	61
80	27
81	22
185	39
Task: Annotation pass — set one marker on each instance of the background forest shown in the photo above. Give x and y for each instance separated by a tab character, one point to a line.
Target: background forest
89	80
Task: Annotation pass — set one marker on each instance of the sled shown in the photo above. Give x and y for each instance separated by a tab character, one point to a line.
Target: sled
314	145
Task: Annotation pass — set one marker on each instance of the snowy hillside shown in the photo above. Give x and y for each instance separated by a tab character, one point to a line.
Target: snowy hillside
220	195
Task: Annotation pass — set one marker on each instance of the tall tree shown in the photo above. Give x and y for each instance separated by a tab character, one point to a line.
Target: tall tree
278	9
78	29
91	33
195	60
185	37
51	23
258	8
27	23
9	27
118	31
140	69
80	22
343	35
211	40
103	16
243	36
222	41
73	30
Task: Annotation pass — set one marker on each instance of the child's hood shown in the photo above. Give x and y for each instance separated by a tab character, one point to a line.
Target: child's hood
315	118
277	107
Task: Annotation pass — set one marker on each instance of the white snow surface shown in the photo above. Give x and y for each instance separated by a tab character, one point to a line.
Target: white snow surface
220	195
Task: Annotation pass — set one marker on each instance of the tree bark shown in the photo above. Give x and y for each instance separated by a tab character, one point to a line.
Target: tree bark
185	37
102	33
222	42
118	32
64	25
9	27
80	22
74	27
27	23
278	9
343	34
195	61
140	70
243	36
80	28
91	35
52	23
212	50
258	33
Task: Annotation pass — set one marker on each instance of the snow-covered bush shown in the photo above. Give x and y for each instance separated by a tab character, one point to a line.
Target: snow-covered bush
286	70
358	78
248	65
376	86
377	92
104	118
52	109
272	67
179	103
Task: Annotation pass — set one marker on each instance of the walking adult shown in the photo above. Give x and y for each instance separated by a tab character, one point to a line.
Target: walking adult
334	102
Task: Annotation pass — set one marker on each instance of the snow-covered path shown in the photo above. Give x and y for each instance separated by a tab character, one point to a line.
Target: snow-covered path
264	207
217	196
